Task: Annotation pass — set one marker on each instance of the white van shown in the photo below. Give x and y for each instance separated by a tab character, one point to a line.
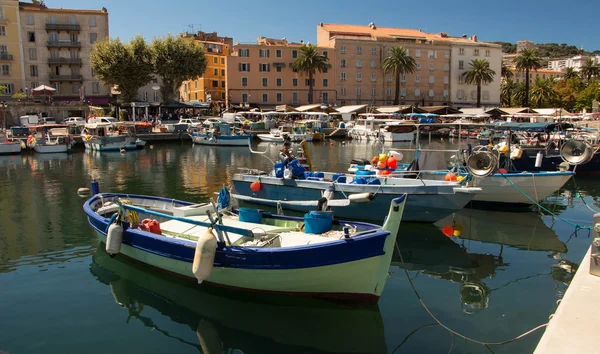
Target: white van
233	118
29	120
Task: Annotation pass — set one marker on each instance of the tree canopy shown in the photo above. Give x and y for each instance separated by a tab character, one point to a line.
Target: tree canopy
526	61
399	62
309	61
177	59
126	66
479	72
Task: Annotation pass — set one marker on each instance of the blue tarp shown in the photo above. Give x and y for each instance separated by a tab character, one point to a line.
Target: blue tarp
533	127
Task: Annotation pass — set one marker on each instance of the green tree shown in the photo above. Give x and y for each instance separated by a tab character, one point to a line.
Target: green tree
479	72
542	93
518	96
177	59
506	73
507	89
19	96
587	96
309	61
589	70
526	61
567	91
399	62
126	66
570	73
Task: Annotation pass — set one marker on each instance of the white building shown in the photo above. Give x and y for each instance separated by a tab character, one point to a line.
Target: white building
463	51
575	62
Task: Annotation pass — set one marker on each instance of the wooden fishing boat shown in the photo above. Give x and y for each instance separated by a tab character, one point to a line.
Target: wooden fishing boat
255	251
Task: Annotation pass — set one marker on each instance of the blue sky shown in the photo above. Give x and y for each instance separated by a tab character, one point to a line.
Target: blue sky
509	20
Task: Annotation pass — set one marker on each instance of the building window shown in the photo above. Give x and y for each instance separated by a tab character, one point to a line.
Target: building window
215	60
358	76
417	53
5	69
215	72
278	82
431	79
222	61
263	53
279	97
417	92
57	87
342	76
294	82
222	72
307	82
244	82
53	37
343	91
92	21
72	20
446	80
278	53
156	96
446	67
223	83
10	88
34	84
417	78
373	77
374	50
373	91
325	53
244	67
294	53
445	93
75	88
418	66
278	69
245	53
460	80
446	55
3	31
264	67
359	63
265	82
33	70
30	20
294	97
388	78
403	92
430	54
403	78
486	95
388	92
215	83
461	51
431	93
358	50
265	97
32	54
476	52
325	97
358	91
487	52
343	63
343	49
373	64
325	82
431	67
461	65
93	37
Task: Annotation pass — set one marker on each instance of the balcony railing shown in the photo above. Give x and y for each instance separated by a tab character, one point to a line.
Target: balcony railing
59	61
64	44
6	56
62	27
75	77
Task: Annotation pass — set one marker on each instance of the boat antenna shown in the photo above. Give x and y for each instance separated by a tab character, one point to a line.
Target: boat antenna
261	153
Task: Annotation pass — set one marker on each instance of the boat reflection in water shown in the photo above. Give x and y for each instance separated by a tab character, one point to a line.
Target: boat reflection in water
427	249
228	321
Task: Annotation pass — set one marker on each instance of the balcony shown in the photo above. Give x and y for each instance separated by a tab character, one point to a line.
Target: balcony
5	56
60	61
62	27
75	77
64	44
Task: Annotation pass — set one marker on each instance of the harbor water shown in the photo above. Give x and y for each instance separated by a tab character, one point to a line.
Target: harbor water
61	293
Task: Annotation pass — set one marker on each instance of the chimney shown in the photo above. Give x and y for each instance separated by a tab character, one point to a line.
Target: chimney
320	24
464	36
302	41
474	38
372	25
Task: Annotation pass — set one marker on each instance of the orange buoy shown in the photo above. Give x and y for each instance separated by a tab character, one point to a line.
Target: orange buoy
392	162
448	231
386	172
375	160
381	164
255	186
503	171
450	177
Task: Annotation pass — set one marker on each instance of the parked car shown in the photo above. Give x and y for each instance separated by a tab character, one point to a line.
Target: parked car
102	120
47	120
191	122
74	121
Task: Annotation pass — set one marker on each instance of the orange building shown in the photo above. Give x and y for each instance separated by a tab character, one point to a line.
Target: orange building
261	74
210	86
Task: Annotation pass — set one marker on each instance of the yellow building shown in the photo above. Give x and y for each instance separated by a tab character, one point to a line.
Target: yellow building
11	64
519	76
210	86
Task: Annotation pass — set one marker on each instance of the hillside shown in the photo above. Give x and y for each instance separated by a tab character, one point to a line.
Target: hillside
550	50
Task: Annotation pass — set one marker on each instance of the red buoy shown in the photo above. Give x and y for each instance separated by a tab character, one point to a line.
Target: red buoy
255	186
450	177
448	231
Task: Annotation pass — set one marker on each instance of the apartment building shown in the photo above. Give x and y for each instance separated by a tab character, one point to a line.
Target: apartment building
56	50
210	86
362	49
262	74
519	76
576	62
11	69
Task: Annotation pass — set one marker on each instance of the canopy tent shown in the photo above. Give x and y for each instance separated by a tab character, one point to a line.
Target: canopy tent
317	107
482	112
176	104
285	108
43	90
555	112
360	108
400	109
517	110
441	110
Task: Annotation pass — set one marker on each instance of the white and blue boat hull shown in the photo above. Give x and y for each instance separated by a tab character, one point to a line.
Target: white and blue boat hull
230	140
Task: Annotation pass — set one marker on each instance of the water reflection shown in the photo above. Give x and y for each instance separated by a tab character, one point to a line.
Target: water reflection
225	321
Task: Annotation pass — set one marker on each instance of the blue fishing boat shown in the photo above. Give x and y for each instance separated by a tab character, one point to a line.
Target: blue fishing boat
221	134
253	250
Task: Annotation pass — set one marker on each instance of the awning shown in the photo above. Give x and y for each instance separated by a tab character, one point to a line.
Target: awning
517	110
360	108
285	108
441	110
177	105
317	107
552	112
98	100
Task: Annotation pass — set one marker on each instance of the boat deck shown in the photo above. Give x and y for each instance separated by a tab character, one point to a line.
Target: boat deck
573	329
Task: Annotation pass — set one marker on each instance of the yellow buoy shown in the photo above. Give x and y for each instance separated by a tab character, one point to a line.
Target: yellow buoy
457	230
460	178
83	192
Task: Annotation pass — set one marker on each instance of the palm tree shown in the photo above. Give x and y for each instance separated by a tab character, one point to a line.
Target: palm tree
506	73
310	61
399	62
589	70
479	73
542	93
570	73
506	92
519	92
526	61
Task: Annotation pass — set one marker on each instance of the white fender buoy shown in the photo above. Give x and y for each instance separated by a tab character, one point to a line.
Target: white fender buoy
122	150
360	197
538	159
151	146
83	192
204	257
114	237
